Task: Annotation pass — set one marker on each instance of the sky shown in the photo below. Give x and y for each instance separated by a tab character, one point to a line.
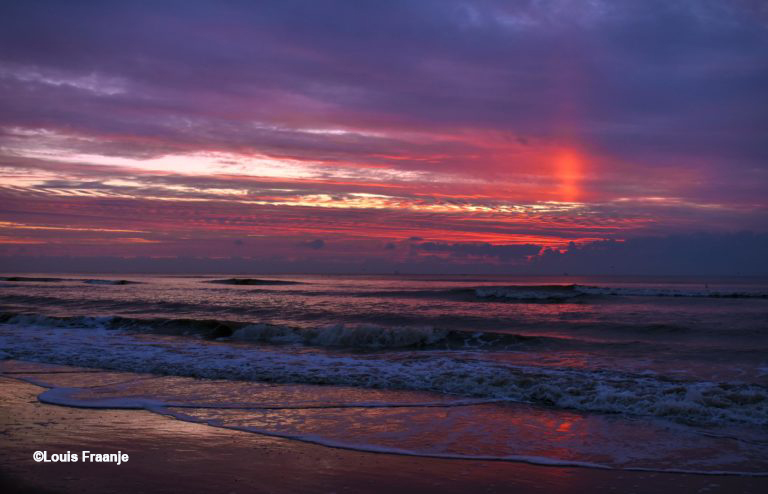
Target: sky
531	136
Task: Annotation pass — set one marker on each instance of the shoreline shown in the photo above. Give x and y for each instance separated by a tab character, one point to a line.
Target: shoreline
169	455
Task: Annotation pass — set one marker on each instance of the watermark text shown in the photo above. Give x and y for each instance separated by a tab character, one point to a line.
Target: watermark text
84	457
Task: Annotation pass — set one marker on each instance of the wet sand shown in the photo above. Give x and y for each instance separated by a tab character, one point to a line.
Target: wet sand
168	455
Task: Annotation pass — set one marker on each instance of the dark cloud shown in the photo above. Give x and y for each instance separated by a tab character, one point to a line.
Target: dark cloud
682	78
742	254
697	255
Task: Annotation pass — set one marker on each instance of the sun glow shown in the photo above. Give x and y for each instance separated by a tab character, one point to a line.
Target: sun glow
569	165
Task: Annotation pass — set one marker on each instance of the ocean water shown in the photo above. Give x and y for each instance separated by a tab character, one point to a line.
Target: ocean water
667	374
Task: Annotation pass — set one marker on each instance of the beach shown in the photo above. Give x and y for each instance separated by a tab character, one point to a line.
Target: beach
168	455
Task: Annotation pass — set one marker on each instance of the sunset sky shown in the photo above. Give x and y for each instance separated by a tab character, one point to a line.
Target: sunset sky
434	136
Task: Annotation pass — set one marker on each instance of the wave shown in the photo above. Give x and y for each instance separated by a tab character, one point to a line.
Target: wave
355	422
567	292
117	304
90	281
206	328
662	292
628	393
340	335
467	294
515	293
110	282
253	281
553	293
31	279
377	337
607	460
381	336
521	293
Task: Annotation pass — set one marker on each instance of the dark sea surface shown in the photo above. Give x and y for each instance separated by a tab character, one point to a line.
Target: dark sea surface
633	373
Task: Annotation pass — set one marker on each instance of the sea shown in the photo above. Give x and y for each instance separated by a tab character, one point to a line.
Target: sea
634	373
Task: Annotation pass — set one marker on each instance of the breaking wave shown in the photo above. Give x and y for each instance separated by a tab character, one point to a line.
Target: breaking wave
605	391
111	282
340	335
377	337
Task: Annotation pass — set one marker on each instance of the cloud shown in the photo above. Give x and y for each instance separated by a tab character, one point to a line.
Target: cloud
638	77
742	254
695	255
422	119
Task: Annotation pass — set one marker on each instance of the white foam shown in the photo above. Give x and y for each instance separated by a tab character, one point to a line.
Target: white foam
639	394
64	396
327	441
73	397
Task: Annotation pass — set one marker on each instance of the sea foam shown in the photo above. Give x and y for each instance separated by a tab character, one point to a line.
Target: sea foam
590	390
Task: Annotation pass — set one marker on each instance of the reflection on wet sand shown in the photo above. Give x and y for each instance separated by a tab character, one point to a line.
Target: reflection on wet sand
408	423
